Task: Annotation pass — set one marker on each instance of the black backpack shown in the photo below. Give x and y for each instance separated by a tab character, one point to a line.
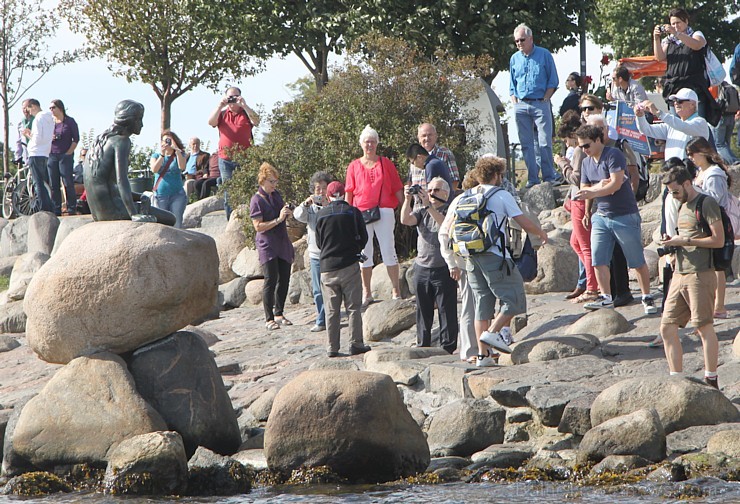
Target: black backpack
727	98
721	257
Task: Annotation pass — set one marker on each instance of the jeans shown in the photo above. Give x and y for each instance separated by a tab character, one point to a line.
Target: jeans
723	138
581	284
622	229
40	178
318	298
62	165
226	168
528	115
174	204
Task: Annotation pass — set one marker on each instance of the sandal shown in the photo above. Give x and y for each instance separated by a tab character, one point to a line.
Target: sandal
722	315
586	297
271	325
283	321
656	343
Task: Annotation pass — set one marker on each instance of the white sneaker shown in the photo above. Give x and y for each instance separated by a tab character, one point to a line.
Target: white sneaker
487	361
648	303
506	335
496	341
599	304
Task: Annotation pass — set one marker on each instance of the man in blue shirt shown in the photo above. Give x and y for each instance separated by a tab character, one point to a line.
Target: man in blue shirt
533	80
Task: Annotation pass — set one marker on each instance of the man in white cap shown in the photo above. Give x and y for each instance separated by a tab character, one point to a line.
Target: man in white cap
676	129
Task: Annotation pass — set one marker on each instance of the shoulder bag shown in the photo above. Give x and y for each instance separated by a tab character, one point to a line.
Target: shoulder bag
163	172
373	214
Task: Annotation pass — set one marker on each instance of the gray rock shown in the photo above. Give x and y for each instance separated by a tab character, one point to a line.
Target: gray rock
232	293
299	288
620	464
229	243
335	364
253	458
132	292
37	484
695	438
576	417
410	279
380	285
331	418
194	212
148	464
260	409
518	415
726	442
540	198
24	269
179	378
215	224
6	265
401	354
300	247
557	268
66	226
601	323
207	336
464	427
12	318
655	188
14	237
553	348
42	231
511	394
387	319
212	474
253	291
87	408
516	433
683	402
255	439
638	433
444	462
503	456
247	264
403	372
549	401
8	343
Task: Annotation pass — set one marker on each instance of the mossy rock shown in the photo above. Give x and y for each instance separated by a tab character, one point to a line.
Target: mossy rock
319	475
232	478
34	484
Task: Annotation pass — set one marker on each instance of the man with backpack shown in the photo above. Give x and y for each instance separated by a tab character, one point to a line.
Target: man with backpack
691	293
729	104
479	236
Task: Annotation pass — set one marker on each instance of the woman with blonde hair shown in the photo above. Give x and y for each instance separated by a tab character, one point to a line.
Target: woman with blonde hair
269	212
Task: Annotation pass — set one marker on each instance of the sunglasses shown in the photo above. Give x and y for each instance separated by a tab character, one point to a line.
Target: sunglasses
585	146
679	101
520	40
590	108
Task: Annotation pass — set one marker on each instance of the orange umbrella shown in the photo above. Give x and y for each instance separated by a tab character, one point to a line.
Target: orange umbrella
644	66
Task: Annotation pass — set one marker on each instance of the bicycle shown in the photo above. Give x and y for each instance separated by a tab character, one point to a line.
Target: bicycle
19	197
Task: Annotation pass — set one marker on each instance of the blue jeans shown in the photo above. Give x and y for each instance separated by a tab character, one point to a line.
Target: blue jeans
318	298
226	168
61	165
723	137
581	275
622	229
174	204
40	178
528	115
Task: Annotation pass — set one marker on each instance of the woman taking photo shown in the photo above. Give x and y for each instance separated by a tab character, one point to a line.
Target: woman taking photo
374	187
168	166
573	85
61	158
714	180
276	253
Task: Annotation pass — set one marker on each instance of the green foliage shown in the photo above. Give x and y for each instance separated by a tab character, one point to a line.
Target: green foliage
139	159
629	30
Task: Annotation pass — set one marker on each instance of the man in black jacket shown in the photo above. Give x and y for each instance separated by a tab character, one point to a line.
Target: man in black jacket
341	236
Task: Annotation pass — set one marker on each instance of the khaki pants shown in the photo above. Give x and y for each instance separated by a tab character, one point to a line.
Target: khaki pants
337	286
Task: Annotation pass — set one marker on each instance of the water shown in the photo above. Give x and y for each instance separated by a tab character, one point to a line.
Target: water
713	490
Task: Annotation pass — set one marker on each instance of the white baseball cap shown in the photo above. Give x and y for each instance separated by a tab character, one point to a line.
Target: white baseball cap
685	94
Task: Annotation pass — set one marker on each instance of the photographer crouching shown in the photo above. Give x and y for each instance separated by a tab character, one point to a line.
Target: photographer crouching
691	294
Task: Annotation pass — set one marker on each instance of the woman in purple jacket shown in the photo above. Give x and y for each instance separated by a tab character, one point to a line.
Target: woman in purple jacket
61	159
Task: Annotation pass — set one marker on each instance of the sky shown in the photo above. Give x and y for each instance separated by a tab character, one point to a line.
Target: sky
90	93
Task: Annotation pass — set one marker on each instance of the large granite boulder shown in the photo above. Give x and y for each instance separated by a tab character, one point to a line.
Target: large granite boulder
42	231
601	324
352	421
299	288
179	378
247	264
381	286
148	464
85	410
212	474
66	226
12	318
230	243
557	268
464	427
14	237
138	285
194	212
639	433
552	348
727	442
680	402
387	319
253	291
231	294
540	198
26	266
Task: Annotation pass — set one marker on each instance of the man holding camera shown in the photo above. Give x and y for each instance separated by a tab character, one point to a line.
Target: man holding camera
692	290
341	235
431	275
235	121
427	165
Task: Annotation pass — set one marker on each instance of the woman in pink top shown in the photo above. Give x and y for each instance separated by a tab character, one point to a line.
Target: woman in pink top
372	181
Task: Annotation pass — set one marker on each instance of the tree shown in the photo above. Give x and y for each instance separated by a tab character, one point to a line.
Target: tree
25	30
320	131
629	30
172	46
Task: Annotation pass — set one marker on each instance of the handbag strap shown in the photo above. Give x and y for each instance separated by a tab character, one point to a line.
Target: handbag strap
382	181
163	172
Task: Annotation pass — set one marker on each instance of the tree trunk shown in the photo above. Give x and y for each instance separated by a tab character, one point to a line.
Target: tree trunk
166	106
6	136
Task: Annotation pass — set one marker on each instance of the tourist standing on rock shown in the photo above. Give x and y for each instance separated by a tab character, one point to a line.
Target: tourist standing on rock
434	285
492	273
235	121
533	80
427	167
276	252
307	212
691	294
21	145
40	136
168	166
615	217
373	186
341	236
426	133
61	158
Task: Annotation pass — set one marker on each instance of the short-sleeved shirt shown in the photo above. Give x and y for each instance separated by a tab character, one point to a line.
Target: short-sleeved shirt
612	160
503	204
65	134
234	129
172	182
428	254
273	243
376	186
695	259
448	157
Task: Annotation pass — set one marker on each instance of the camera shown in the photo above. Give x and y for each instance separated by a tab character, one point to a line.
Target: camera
662	29
168	141
666	250
414	189
361	257
290	206
232	99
